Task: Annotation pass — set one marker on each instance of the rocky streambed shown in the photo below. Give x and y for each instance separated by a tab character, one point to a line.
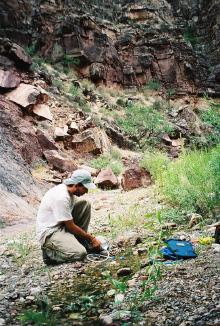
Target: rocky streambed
125	289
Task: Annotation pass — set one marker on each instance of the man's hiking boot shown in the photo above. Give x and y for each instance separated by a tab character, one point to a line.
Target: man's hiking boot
47	260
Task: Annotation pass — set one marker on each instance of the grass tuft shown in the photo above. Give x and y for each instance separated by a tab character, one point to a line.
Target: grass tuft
192	182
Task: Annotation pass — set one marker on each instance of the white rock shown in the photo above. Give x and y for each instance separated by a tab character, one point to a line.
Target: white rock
216	247
106	319
2	322
43	110
35	291
74	126
30	298
131	283
119	298
61	132
24	95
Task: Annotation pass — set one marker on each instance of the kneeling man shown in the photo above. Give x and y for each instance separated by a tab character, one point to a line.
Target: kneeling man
63	220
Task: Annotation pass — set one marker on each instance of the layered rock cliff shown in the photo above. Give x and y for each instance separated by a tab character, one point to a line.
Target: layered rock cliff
126	43
121	44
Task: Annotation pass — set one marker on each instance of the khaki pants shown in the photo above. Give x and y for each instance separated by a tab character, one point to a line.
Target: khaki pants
62	246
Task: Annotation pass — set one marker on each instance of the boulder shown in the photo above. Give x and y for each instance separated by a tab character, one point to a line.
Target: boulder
24	95
135	177
73	127
45	141
19	55
8	79
61	132
43	110
59	161
106	320
217	234
15	52
124	271
93	140
106	179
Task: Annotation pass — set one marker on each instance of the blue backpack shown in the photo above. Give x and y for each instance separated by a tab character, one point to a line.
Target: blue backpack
178	249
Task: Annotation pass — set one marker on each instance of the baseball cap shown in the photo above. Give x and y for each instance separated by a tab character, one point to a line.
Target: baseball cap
81	176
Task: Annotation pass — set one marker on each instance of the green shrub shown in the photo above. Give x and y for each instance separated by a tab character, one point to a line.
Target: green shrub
153	85
74	90
212	117
108	161
155	163
115	153
31	50
192	182
172	214
144	123
58	84
117	167
69	59
36	318
211	127
190	36
37	63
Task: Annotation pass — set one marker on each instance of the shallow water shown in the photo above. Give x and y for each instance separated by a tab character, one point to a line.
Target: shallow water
83	297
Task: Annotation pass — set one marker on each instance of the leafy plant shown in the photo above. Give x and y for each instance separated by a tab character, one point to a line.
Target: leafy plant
58	84
121	102
120	286
34	317
31	50
144	123
153	85
192	181
129	219
155	162
37	63
212	116
21	248
69	60
170	92
74	90
189	35
39	318
109	160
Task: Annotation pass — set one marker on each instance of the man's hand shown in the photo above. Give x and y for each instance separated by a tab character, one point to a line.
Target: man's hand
96	244
75	229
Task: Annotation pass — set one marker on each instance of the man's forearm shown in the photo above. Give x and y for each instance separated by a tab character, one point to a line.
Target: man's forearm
73	228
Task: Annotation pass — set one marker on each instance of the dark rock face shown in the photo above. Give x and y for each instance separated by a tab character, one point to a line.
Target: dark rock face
18	148
148	45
